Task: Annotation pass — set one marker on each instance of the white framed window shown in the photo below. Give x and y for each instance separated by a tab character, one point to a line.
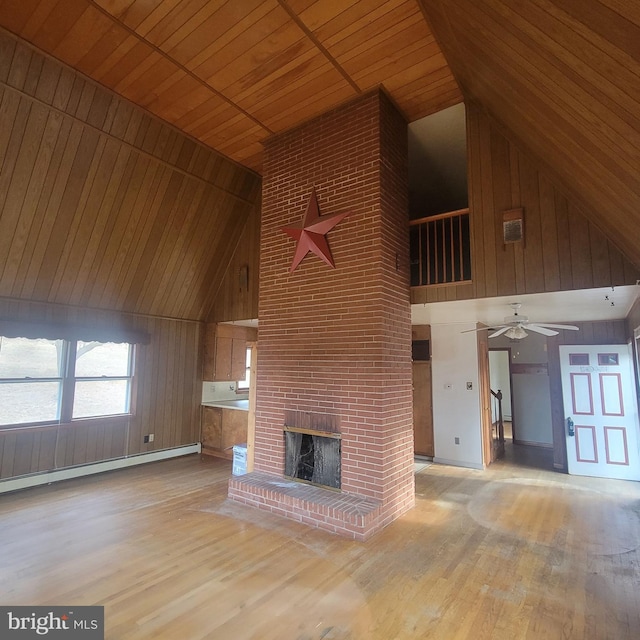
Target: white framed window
31	380
243	385
47	381
102	379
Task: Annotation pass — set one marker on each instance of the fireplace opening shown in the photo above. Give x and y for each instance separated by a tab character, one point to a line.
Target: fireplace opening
312	457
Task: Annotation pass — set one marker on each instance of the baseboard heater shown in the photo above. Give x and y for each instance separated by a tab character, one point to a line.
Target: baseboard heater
47	477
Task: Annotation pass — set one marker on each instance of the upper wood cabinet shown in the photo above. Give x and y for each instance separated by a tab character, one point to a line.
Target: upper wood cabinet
225	348
230	358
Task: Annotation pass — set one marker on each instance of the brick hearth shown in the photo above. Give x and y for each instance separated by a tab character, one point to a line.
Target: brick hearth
342	513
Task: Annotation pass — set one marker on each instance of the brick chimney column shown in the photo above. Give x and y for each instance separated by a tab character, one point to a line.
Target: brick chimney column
337	341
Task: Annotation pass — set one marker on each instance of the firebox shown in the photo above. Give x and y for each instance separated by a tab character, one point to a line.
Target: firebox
312	456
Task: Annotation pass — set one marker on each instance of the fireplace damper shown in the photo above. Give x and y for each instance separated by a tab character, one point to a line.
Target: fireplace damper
312	456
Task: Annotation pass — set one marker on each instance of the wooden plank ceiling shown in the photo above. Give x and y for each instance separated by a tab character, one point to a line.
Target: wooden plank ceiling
562	79
231	73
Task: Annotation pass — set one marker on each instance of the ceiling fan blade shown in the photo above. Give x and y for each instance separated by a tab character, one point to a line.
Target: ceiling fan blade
498	326
570	327
538	329
499	332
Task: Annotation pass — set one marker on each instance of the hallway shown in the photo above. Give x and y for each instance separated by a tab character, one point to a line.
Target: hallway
524	455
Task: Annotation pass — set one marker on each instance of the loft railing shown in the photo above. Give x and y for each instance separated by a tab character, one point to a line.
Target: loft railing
440	249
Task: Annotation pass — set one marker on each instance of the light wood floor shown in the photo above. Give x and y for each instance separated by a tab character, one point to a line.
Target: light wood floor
511	552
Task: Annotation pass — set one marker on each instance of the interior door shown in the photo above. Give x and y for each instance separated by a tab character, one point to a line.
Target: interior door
422	409
601	412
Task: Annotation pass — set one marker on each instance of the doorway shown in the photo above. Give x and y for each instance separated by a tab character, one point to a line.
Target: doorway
500	379
519	371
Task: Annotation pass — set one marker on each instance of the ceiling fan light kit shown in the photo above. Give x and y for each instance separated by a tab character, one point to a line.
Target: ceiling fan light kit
514	326
516	333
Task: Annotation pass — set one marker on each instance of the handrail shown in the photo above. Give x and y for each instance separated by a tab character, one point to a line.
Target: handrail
498	442
439	216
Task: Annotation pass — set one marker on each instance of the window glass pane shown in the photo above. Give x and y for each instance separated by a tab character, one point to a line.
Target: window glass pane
95	359
22	358
244	384
100	398
22	402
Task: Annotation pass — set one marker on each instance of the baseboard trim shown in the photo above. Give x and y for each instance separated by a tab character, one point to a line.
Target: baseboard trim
459	463
47	477
529	443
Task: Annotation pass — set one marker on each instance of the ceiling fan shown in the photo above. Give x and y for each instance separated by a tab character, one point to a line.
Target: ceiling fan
514	326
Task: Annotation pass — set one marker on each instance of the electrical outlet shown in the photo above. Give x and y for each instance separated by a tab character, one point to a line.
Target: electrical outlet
145	439
151	437
456	440
469	386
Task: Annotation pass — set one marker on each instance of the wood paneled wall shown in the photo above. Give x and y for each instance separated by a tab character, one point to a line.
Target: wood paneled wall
562	250
613	332
237	297
104	206
166	398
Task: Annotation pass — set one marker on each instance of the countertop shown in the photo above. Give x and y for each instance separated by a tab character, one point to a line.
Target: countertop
239	405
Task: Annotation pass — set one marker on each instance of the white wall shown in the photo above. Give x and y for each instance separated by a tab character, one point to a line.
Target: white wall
499	376
532	409
456	410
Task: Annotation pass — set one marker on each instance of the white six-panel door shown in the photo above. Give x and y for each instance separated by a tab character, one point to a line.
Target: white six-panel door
601	412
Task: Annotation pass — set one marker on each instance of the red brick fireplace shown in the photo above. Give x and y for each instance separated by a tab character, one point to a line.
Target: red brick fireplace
334	345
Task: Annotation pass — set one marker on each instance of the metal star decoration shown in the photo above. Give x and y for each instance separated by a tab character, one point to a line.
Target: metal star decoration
311	233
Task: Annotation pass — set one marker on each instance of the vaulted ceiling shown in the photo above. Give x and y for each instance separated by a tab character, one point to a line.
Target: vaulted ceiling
233	72
560	78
